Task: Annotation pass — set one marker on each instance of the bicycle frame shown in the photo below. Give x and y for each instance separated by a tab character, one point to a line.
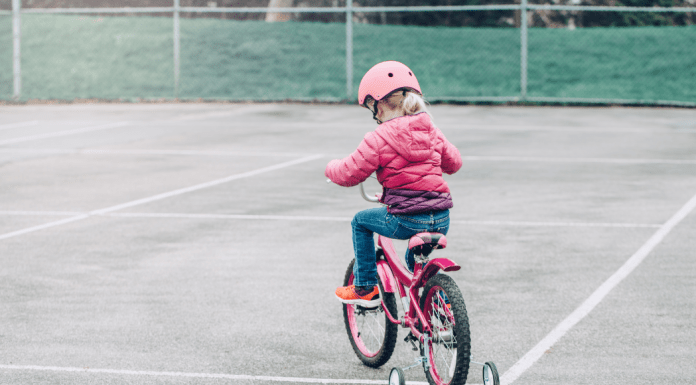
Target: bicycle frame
397	279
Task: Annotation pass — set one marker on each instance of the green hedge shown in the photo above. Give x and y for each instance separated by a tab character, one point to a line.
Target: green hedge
68	57
5	57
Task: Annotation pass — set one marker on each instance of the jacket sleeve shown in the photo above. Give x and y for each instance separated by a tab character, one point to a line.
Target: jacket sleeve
451	158
358	166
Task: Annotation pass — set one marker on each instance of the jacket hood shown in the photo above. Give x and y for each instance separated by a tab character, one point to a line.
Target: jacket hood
411	136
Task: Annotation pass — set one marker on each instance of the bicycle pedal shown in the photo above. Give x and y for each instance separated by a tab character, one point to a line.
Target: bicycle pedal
411	338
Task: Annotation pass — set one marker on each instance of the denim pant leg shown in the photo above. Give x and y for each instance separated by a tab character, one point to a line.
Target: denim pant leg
378	220
411	225
365	224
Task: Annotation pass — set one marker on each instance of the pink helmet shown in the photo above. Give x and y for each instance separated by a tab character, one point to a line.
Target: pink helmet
384	78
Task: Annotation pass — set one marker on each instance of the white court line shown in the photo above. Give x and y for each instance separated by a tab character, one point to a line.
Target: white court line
578	160
473	158
223	114
614	129
328	219
348	219
41	213
44	226
63	133
18	125
187	152
231	216
593	300
160	196
556	224
203	375
144	152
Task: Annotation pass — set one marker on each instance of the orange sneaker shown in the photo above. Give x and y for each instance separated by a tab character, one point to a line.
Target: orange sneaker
348	295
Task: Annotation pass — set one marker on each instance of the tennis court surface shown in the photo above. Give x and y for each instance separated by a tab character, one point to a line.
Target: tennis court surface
200	243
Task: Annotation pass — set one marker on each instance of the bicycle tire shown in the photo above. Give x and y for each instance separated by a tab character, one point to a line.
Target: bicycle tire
376	351
451	339
492	377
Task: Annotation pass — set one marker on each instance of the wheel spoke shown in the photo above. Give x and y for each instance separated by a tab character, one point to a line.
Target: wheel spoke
373	329
373	337
370	329
444	346
443	350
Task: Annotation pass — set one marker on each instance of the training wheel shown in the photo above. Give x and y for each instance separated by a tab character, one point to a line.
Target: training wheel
490	374
397	377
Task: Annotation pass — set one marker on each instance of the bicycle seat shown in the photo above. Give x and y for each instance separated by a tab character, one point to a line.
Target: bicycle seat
424	243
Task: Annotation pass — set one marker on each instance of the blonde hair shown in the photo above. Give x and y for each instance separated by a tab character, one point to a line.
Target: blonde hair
403	102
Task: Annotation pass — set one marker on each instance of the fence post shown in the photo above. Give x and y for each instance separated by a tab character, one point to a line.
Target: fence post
16	57
349	49
176	48
523	49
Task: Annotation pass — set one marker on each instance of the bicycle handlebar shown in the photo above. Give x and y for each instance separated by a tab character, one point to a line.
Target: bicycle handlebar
367	197
362	192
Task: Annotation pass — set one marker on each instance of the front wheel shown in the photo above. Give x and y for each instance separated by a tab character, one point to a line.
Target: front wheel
371	334
450	344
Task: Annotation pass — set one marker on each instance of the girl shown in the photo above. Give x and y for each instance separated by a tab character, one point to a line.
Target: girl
409	155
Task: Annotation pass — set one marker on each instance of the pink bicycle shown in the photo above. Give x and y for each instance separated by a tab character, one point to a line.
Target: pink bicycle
434	311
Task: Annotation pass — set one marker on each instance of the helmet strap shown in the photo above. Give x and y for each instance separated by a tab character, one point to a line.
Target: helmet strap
375	112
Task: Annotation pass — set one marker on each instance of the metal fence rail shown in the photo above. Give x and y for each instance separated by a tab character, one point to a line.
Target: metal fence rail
349	10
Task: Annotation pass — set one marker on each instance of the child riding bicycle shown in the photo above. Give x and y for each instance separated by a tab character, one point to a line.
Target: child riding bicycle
409	154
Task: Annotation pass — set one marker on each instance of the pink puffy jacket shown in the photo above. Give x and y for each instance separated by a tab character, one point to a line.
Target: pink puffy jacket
407	153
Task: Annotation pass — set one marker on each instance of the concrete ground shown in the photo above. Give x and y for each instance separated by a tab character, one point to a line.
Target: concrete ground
200	243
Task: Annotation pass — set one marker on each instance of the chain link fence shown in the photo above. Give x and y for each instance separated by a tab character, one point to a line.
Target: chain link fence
318	51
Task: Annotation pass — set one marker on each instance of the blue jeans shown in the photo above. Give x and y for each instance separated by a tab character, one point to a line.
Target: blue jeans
378	220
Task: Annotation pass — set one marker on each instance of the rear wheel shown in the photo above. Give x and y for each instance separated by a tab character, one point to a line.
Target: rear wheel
370	332
450	346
